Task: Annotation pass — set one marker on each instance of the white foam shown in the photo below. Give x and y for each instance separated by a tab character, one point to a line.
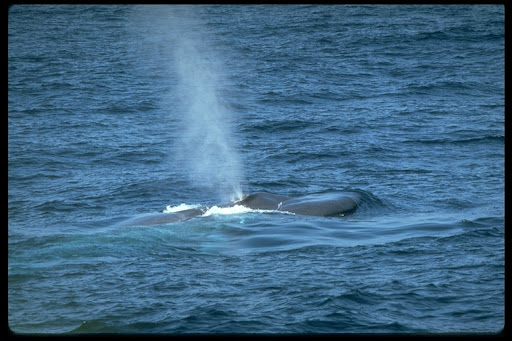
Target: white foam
178	208
217	210
236	209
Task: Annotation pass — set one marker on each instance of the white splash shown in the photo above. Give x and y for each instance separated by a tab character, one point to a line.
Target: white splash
219	210
236	209
178	208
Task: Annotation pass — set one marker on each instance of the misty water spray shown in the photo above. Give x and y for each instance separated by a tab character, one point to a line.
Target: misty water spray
206	147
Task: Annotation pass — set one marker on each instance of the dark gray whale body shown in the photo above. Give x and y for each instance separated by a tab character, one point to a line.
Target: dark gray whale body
165	218
323	204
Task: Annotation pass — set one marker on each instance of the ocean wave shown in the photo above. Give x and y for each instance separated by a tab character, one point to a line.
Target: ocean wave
94	326
278	126
496	138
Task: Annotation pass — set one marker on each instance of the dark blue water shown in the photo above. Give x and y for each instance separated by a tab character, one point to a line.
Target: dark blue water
120	111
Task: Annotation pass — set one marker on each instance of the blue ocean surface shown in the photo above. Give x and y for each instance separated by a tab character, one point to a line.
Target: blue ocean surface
122	111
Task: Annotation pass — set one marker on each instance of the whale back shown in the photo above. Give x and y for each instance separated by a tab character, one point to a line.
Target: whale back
325	204
263	201
165	218
322	204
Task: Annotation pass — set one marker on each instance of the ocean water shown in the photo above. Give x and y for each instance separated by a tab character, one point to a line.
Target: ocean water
115	112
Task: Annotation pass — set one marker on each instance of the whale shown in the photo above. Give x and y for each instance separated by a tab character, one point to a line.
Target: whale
165	218
330	204
322	204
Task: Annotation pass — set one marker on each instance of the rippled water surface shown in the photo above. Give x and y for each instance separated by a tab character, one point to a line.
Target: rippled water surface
117	112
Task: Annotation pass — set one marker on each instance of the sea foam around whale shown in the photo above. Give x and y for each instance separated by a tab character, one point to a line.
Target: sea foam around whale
217	210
